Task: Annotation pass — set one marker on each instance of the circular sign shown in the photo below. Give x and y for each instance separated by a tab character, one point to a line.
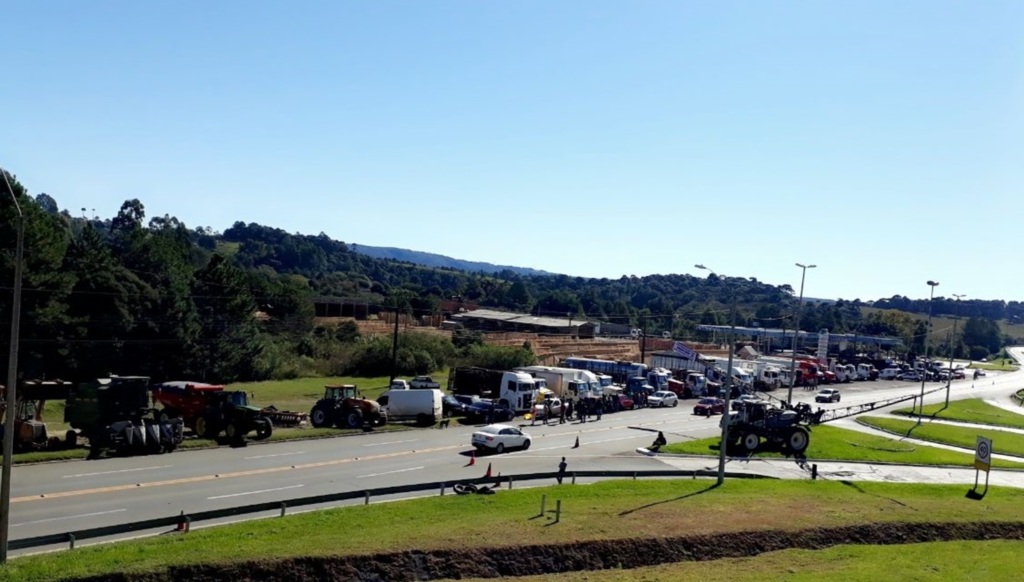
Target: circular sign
983	450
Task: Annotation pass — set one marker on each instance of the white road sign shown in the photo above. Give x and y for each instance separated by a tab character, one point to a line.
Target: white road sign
983	454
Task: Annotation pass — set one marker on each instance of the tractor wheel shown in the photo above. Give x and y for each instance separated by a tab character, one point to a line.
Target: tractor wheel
320	417
264	429
231	431
751	441
354	419
71	439
206	428
797	440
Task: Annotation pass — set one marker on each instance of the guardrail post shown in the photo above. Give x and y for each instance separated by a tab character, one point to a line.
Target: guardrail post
442	489
543	505
71	541
284	506
695	474
367	498
558	510
510	482
814	471
634	475
573	479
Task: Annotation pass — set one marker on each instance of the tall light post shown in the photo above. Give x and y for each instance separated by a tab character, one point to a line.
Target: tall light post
927	335
796	330
12	379
728	385
952	337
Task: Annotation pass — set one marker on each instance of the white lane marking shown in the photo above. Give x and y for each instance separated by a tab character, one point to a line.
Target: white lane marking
276	455
113	472
390	443
68	517
255	492
389	472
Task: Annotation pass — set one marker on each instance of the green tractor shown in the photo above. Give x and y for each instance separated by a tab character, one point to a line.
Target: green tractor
343	407
230	412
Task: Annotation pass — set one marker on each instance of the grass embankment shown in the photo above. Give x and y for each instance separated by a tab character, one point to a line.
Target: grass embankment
997	366
1003	442
974	410
601	511
990	560
297	395
840	444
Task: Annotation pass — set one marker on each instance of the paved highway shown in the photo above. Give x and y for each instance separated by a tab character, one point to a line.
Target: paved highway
60	497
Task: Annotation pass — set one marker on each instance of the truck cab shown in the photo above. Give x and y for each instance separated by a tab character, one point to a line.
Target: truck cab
518	391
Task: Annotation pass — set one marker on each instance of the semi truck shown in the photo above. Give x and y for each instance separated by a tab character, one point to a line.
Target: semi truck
515	390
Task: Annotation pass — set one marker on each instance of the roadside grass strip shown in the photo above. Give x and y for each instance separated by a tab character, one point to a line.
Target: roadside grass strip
975	411
995	561
1000	366
1003	442
605	510
841	444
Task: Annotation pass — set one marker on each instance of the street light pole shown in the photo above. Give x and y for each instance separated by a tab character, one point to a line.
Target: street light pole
796	331
927	335
728	386
12	380
952	337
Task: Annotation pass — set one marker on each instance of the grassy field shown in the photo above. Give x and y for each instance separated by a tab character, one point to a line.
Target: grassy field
974	410
998	365
600	511
990	560
829	442
1003	442
301	394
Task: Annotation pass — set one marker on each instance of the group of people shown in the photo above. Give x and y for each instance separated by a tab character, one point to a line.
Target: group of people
583	408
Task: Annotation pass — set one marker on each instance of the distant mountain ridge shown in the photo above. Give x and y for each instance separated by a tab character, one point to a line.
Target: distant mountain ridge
436	260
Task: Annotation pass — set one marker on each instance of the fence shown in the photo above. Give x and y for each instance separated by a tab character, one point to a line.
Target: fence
184	520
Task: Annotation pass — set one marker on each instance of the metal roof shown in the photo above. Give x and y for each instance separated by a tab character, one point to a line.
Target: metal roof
788	333
519	318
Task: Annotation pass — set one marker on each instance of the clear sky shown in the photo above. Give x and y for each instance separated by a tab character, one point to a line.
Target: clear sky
881	140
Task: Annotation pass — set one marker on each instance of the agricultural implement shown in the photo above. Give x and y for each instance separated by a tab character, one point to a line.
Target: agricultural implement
342	406
209	410
114	415
30	432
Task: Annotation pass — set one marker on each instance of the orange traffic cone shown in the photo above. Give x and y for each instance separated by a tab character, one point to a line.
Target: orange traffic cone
472	459
488	473
577	445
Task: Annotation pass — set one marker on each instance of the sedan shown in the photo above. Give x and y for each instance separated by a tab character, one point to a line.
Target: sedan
663	398
709	406
488	411
499	438
911	376
625	402
452	407
827	395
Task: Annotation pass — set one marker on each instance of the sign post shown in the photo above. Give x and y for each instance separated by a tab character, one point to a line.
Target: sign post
982	461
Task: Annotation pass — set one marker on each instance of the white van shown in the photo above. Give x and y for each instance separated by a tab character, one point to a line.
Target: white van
889	374
424	406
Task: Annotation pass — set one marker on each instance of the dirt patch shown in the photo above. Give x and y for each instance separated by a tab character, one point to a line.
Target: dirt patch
571	557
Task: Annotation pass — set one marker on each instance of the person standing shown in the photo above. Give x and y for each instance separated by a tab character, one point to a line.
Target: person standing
561	470
561	413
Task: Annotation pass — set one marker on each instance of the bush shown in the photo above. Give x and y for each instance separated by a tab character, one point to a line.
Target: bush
498	357
978	352
417	354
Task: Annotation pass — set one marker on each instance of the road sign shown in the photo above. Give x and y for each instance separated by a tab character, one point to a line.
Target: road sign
983	454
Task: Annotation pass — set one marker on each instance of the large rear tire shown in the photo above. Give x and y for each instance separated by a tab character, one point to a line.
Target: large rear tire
797	440
354	419
320	417
751	442
206	428
264	428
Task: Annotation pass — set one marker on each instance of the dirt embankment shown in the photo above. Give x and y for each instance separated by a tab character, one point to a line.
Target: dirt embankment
578	556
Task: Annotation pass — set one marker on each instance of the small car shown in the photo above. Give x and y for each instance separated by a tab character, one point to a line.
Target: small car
958	374
827	395
489	411
709	406
662	398
911	376
499	438
451	407
625	402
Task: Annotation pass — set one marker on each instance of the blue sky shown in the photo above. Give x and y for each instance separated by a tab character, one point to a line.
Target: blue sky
882	141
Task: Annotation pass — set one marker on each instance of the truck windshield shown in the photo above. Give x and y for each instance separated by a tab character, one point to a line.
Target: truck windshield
238	399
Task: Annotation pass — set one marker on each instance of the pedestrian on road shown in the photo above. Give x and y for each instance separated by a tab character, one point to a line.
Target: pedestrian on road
561	470
561	415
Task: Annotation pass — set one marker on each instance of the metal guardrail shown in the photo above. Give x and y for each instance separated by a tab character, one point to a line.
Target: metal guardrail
184	520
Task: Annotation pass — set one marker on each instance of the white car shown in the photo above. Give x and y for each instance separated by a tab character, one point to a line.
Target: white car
663	398
499	438
827	395
556	409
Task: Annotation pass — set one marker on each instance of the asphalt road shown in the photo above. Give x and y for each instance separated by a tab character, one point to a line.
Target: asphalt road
60	497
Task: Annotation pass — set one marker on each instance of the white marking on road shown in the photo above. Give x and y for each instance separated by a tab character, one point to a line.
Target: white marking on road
390	443
255	492
389	472
68	517
276	455
113	472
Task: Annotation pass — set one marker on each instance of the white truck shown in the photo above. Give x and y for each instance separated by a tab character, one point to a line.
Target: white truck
423	406
556	379
515	390
424	382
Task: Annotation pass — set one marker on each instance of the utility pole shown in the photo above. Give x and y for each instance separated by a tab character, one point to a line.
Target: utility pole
12	380
796	331
927	335
723	445
952	337
394	347
643	341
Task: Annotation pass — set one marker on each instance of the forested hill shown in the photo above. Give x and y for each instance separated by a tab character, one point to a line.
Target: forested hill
150	295
435	260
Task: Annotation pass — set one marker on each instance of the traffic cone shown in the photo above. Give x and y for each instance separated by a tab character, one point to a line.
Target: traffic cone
577	445
488	473
472	459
